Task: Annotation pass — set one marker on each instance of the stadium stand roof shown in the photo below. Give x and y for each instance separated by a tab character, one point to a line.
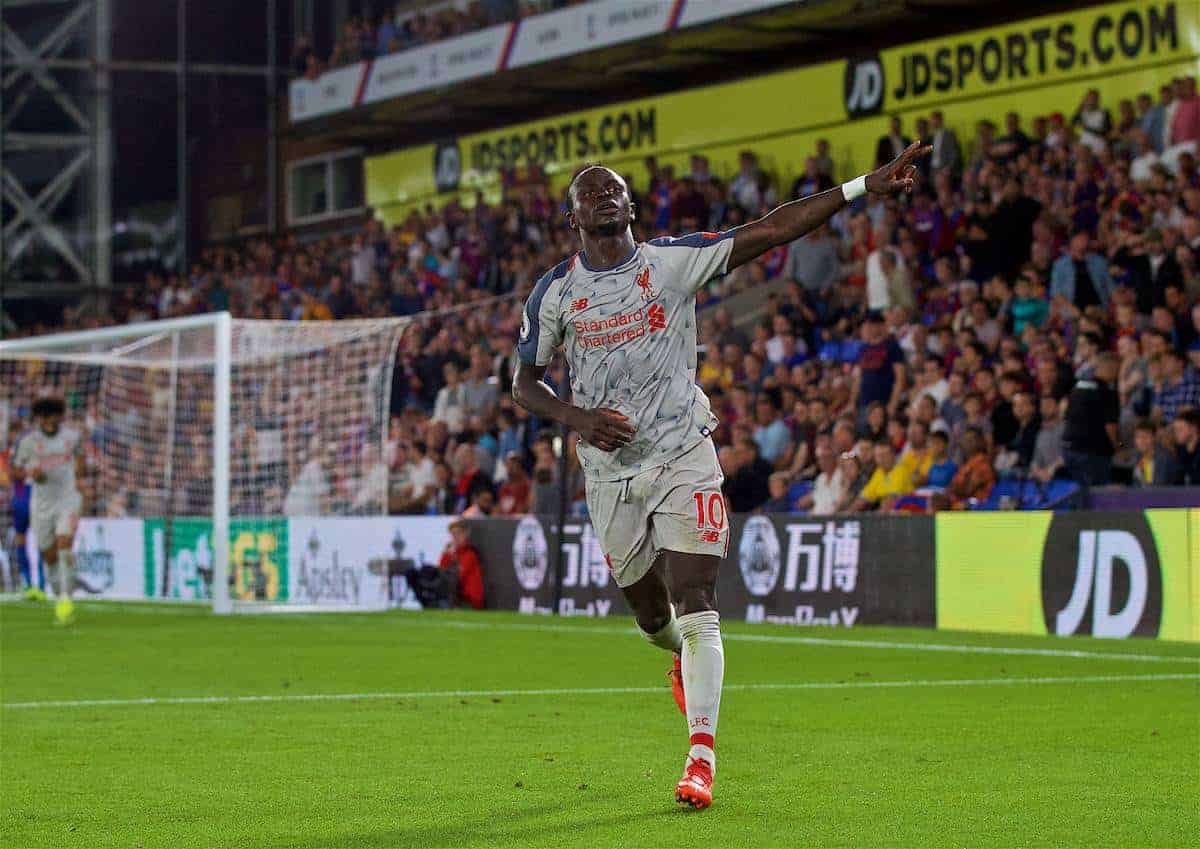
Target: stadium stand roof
779	37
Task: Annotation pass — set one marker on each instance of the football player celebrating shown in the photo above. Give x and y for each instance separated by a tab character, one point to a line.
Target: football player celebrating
624	315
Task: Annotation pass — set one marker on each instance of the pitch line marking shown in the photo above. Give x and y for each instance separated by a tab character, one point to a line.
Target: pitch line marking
830	641
594	691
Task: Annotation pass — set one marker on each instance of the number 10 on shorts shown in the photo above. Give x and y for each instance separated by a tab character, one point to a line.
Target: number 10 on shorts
710	515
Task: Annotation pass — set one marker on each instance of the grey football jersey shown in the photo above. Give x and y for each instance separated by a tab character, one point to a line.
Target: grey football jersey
629	335
55	455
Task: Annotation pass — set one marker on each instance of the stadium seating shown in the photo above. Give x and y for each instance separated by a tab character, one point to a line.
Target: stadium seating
965	267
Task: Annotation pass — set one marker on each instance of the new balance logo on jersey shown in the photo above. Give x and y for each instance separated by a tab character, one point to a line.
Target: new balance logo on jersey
657	318
643	282
579	304
710	536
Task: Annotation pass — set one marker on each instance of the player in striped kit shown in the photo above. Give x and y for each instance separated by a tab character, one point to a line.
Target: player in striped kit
50	455
624	315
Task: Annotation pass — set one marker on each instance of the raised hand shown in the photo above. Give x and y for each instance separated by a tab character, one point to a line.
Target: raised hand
899	175
606	429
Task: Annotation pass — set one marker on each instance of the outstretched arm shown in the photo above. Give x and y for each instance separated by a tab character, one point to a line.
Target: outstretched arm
790	221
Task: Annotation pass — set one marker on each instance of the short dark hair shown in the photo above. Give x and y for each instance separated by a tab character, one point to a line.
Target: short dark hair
1146	426
940	434
49	407
1190	415
587	166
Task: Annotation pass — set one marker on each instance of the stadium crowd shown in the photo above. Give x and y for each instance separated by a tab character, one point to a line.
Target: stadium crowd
1031	313
407	25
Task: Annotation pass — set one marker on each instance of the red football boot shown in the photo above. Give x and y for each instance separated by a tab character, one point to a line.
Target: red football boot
695	788
676	675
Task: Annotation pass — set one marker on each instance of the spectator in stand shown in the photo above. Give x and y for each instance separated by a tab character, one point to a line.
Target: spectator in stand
516	493
1080	277
1186	431
483	503
973	481
829	487
1016	458
1090	424
777	487
1029	307
1151	119
309	493
888	482
1180	388
1145	158
451	405
891	145
941	468
746	475
1153	464
772	436
744	188
812	181
1014	143
880	375
468	476
422	480
917	456
813	262
462	567
824	160
888	281
480	391
1047	450
973	418
947	153
1185	120
1093	122
371	497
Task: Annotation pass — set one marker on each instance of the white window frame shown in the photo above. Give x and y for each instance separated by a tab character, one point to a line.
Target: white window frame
327	159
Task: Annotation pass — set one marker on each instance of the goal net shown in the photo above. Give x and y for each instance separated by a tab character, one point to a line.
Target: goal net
202	437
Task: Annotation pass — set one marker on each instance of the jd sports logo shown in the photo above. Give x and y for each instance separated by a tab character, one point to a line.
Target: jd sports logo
447	166
863	87
1101	576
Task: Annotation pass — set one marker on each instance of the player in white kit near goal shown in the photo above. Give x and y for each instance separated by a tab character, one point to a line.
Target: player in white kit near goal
51	455
624	315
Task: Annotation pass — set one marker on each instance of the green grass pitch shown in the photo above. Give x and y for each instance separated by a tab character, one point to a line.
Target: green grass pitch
497	730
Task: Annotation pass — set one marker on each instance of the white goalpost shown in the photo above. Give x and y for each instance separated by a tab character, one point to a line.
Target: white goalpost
203	436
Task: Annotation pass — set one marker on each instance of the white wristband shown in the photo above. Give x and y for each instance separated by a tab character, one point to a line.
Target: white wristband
855	189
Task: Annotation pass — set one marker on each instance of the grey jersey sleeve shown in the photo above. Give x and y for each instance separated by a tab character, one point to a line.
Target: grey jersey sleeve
541	320
696	258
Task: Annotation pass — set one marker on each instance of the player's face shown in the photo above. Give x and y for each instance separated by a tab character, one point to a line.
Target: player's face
49	423
601	204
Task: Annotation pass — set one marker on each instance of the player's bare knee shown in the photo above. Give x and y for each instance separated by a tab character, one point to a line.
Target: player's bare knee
694	599
652	612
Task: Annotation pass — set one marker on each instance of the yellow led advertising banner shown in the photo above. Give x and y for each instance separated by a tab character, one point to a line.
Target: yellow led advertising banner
1118	574
1032	67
